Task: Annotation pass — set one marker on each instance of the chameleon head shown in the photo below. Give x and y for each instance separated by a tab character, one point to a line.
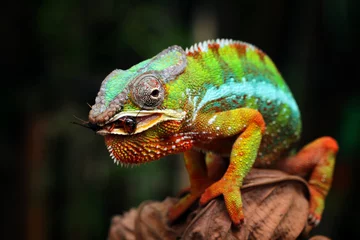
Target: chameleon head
130	111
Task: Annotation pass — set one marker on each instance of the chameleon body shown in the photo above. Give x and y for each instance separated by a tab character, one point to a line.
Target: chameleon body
218	101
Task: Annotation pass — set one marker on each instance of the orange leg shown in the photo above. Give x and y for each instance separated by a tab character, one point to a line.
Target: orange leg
316	162
249	128
199	181
216	166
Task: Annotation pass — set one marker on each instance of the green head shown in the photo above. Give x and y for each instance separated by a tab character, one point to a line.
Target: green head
130	106
142	87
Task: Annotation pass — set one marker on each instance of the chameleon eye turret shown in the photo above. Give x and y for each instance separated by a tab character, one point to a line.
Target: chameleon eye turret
148	91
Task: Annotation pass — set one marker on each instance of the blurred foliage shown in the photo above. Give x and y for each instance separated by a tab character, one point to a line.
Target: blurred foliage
350	127
58	52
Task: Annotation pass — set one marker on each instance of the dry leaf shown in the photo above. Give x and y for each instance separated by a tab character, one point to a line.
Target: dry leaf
275	207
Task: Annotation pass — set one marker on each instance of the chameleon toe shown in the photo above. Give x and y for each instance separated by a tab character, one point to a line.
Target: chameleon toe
232	199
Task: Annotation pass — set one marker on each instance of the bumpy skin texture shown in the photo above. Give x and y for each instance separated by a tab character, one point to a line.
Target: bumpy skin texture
223	97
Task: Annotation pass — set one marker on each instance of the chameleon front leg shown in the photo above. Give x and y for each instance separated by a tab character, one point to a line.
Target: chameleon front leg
316	162
199	181
250	126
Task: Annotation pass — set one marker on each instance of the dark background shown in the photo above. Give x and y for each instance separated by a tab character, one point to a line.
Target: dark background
58	180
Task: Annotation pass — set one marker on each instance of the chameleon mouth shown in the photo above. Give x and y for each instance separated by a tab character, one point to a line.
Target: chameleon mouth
133	122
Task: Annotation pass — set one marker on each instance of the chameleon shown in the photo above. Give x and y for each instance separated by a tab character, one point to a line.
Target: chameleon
219	101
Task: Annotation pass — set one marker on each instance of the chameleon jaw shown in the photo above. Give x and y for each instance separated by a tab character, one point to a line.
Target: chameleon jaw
147	119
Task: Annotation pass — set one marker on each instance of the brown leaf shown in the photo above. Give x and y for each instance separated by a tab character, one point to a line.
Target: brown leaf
275	207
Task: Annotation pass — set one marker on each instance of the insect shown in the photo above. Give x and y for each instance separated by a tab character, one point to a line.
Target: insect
127	123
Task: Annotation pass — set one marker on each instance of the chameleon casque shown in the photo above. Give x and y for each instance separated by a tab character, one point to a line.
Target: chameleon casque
218	100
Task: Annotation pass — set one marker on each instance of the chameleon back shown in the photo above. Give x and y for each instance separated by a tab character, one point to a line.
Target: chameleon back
225	75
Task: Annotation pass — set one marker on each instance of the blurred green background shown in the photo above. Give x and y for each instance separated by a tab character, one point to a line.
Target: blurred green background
58	179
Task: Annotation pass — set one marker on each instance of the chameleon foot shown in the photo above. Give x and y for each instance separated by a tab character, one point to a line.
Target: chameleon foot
316	206
230	189
185	202
181	206
199	181
316	162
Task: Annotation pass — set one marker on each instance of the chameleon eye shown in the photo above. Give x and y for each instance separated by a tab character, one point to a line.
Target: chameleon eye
148	91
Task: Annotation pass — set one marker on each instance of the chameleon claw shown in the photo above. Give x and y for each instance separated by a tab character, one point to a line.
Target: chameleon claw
316	205
313	220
